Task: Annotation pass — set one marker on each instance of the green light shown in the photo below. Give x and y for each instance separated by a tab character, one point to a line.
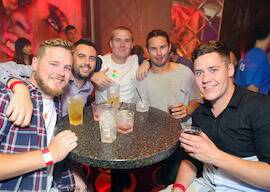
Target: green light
113	75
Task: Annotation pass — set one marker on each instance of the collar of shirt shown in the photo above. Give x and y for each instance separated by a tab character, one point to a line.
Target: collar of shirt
234	102
88	84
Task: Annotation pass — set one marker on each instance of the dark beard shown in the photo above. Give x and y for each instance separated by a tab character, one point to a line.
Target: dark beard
78	75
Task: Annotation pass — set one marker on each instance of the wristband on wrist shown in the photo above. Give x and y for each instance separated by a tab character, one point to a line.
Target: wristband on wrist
15	83
47	157
178	185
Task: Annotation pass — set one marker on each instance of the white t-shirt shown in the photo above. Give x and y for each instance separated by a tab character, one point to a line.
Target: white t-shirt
124	74
50	116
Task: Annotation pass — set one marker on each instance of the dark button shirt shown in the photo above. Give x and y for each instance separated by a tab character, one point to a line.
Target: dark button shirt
243	128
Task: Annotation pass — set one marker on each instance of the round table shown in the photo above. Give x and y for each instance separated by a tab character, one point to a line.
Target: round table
155	137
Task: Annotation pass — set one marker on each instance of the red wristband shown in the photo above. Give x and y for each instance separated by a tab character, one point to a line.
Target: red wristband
178	185
47	157
15	83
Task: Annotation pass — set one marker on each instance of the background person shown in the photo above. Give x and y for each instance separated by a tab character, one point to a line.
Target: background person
253	70
138	50
71	33
23	52
174	57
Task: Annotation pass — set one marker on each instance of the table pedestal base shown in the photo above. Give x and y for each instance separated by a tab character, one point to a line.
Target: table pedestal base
120	179
103	181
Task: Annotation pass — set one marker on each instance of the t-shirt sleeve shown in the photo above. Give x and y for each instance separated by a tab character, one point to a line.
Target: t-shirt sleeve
98	64
141	60
255	64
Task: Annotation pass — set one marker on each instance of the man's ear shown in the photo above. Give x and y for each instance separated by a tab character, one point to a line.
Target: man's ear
34	63
170	47
110	43
146	48
231	70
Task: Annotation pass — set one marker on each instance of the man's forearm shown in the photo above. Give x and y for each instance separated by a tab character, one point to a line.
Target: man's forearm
186	173
192	106
12	70
253	88
254	173
12	165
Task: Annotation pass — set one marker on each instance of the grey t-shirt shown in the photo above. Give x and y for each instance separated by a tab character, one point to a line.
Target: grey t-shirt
177	86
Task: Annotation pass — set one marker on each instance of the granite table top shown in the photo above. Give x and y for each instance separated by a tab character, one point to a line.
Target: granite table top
154	138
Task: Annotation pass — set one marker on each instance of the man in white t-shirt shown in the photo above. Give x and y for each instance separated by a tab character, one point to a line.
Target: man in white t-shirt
119	67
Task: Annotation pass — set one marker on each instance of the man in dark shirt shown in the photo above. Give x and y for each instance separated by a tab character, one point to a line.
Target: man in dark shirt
235	143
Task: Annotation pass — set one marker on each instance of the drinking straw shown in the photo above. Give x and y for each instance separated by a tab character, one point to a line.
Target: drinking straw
111	104
120	105
138	93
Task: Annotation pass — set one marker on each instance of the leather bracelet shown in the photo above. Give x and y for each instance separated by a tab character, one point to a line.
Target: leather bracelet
47	157
178	185
15	83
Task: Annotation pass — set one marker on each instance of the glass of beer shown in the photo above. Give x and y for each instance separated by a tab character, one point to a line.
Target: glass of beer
193	130
170	107
113	94
75	108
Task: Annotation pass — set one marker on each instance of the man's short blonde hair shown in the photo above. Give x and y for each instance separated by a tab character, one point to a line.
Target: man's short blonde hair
123	28
57	42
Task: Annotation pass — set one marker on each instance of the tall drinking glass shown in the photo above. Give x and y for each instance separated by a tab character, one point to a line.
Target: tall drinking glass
113	92
75	108
107	122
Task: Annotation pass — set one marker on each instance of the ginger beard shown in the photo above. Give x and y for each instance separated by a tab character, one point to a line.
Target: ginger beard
46	88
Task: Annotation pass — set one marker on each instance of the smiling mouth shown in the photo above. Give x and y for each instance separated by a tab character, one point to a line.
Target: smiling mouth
86	69
59	80
209	87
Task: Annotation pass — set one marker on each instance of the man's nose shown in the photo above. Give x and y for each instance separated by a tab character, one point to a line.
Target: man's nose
122	44
87	60
206	78
158	52
61	71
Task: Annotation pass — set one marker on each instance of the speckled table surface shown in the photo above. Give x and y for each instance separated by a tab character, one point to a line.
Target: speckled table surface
154	138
